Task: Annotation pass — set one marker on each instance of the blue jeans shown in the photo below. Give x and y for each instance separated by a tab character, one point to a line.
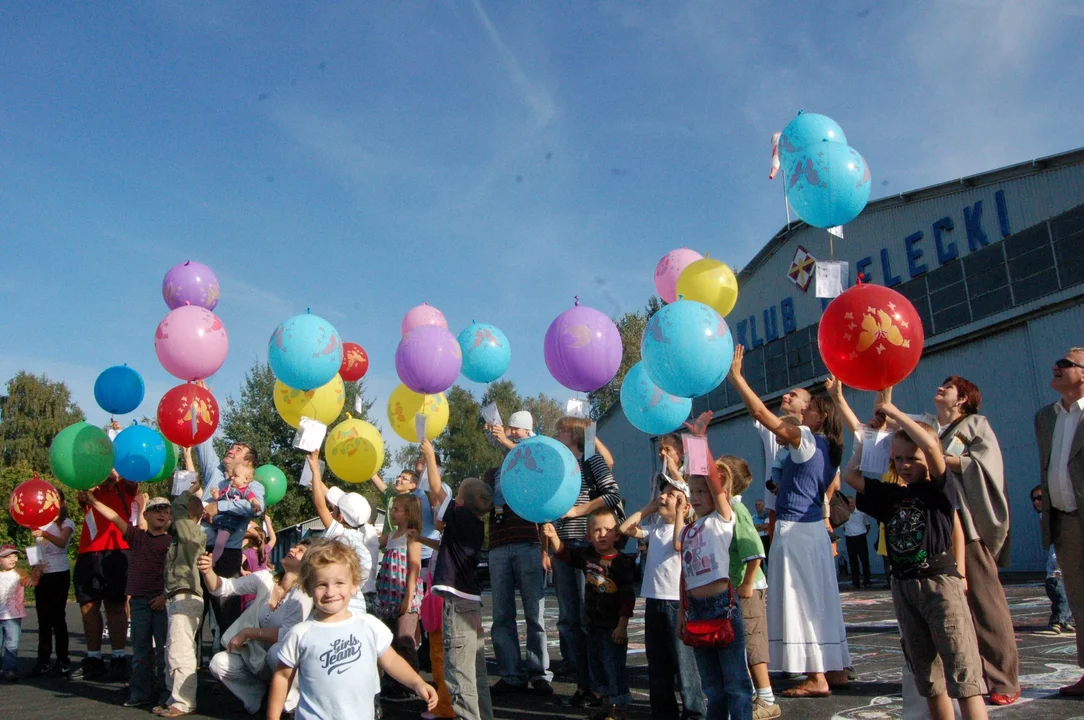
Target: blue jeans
511	566
607	660
667	656
571	625
148	681
723	671
1059	603
11	630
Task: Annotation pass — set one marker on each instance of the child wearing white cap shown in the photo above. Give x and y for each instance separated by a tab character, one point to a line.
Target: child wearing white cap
348	524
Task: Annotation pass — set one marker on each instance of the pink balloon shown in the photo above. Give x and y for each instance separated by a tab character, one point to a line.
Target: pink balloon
191	343
424	314
668	270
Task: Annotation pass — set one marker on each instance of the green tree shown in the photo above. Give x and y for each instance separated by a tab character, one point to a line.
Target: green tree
631	327
464	448
34	410
253	420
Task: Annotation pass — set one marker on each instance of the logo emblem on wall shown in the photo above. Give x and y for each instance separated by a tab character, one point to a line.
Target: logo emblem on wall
801	268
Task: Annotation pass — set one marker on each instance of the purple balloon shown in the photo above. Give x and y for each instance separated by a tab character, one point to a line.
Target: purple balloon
190	283
583	349
428	359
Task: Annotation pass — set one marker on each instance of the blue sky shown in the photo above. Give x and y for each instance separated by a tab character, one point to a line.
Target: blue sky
492	159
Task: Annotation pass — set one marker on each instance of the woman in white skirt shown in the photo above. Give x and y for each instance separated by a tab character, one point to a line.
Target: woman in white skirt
806	633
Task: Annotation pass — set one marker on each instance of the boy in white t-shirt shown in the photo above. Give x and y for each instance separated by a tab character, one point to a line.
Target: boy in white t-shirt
345	517
336	654
667	656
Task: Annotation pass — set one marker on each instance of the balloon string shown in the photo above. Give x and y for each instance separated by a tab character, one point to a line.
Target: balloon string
786	200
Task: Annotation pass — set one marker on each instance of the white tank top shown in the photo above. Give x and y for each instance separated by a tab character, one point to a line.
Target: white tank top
705	550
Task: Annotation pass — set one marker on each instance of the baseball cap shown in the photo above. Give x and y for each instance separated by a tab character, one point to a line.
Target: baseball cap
334	495
664	480
523	421
157	502
6	550
355	509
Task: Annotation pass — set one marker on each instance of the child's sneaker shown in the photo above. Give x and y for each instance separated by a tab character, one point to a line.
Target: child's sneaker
40	669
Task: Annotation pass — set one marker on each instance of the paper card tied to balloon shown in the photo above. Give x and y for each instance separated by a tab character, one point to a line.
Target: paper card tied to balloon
490	414
310	434
697	457
182	480
33	555
540	479
419	424
576	407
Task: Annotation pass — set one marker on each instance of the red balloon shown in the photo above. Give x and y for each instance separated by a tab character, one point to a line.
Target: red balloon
34	504
870	337
355	362
188	415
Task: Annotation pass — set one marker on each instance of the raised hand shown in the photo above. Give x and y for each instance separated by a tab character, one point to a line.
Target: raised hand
736	363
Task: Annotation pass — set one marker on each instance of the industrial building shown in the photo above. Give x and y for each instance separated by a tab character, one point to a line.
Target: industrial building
994	264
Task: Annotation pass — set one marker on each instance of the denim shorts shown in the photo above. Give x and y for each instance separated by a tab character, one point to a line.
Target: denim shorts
713	606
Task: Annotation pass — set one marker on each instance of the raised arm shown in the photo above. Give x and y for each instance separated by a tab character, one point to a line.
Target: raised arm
852	475
719	489
608	494
787	434
928	444
269	528
631	526
107	512
61	540
604	452
432	473
680	511
834	386
319	490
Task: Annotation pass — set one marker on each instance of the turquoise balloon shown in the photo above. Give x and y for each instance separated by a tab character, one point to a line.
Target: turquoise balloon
486	352
828	184
139	453
807	129
540	479
648	407
687	349
305	352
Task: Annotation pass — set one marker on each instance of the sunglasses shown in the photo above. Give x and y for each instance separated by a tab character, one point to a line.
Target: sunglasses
1066	363
1036	498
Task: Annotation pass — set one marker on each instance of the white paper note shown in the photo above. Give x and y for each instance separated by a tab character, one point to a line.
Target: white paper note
491	415
696	454
33	555
589	441
306	473
576	407
182	480
359	404
419	426
310	434
92	525
876	449
956	447
832	278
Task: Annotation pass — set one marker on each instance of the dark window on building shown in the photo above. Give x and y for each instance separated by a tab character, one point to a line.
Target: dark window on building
1031	264
1068	232
917	292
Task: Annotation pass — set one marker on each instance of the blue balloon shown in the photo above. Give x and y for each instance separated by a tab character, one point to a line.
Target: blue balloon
805	130
648	407
540	479
828	184
119	390
687	349
139	453
486	352
305	352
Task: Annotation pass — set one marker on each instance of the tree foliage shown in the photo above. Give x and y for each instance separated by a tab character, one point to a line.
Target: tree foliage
252	419
631	327
34	410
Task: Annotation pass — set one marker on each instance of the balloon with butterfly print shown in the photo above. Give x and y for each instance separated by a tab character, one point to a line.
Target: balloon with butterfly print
687	349
486	352
807	129
540	479
583	348
305	352
870	337
648	407
188	415
191	343
828	184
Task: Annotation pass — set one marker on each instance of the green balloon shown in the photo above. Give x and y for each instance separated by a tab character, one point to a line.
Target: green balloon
274	483
81	456
171	462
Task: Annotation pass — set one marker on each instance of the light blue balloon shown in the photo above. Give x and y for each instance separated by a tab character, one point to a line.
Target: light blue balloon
687	349
139	453
486	352
540	479
828	184
804	130
305	352
648	407
119	390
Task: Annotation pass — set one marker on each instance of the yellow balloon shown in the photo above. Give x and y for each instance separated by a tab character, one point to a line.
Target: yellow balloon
711	282
323	404
404	404
354	450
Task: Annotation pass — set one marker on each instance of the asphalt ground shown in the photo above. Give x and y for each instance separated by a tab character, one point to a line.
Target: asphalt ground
1047	663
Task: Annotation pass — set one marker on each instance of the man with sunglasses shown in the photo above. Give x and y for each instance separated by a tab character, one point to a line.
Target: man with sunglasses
1060	436
1061	618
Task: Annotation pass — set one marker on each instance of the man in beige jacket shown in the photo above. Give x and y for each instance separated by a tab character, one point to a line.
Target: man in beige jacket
1060	435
